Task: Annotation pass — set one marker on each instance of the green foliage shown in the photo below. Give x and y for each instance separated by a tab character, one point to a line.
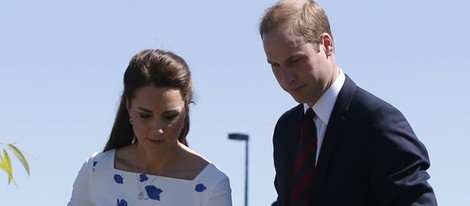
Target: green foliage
5	160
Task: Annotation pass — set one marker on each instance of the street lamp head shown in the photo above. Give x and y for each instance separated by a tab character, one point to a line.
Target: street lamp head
243	137
238	136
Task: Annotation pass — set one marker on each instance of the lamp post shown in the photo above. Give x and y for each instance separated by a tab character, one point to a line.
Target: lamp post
243	137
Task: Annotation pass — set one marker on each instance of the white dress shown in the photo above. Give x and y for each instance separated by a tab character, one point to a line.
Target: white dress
99	184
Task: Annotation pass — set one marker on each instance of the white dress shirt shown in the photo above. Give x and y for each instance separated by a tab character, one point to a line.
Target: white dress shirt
323	108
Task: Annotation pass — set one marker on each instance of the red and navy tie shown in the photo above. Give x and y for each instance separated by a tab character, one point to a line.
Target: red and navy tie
304	167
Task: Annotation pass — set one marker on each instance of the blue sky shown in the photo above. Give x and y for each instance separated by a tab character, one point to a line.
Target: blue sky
62	64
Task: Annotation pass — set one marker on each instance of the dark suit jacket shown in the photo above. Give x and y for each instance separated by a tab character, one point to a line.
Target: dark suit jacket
369	156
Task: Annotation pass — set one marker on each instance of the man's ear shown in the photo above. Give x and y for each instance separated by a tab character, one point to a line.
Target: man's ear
327	44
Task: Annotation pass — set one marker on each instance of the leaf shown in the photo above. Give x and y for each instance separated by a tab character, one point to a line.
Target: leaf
8	168
2	164
20	156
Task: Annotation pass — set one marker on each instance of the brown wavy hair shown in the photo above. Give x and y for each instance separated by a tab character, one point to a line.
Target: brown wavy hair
150	68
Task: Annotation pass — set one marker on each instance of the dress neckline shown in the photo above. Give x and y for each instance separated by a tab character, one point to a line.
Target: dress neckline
113	159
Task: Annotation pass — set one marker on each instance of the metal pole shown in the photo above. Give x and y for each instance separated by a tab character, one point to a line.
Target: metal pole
243	137
246	173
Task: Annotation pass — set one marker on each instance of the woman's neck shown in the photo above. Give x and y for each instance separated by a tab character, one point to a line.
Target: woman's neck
157	163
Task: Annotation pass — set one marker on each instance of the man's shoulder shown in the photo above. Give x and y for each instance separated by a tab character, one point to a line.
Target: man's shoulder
292	112
361	95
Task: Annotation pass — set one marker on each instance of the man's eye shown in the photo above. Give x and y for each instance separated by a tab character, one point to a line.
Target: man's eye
274	65
294	60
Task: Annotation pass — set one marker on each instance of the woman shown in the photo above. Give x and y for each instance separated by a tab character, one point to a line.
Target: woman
146	160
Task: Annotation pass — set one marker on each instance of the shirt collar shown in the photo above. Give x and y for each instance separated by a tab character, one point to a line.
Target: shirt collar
324	106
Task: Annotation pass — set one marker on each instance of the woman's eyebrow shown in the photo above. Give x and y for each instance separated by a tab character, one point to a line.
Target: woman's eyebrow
144	110
174	111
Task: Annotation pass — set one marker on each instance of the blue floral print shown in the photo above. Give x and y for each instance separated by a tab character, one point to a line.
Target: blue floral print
94	164
121	202
200	187
118	179
153	192
143	177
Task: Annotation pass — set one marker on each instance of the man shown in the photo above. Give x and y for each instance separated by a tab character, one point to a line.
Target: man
361	151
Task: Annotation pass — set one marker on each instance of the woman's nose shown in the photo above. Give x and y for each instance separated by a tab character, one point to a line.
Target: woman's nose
157	128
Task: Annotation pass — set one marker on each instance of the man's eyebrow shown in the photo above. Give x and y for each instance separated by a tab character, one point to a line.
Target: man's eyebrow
293	56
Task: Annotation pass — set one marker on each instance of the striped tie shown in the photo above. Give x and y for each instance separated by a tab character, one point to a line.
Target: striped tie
304	168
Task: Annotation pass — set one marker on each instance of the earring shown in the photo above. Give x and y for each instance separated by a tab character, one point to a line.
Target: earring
131	121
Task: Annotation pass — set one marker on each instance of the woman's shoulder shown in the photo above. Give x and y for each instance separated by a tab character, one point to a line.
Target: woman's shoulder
212	171
188	155
100	158
203	168
212	177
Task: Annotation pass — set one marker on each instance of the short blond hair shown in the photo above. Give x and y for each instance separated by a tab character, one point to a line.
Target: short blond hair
306	17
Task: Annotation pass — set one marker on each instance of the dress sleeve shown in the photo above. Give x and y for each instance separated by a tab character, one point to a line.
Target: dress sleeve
221	195
81	187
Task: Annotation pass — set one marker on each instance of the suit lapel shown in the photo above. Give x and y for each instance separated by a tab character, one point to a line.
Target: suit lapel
333	134
287	142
